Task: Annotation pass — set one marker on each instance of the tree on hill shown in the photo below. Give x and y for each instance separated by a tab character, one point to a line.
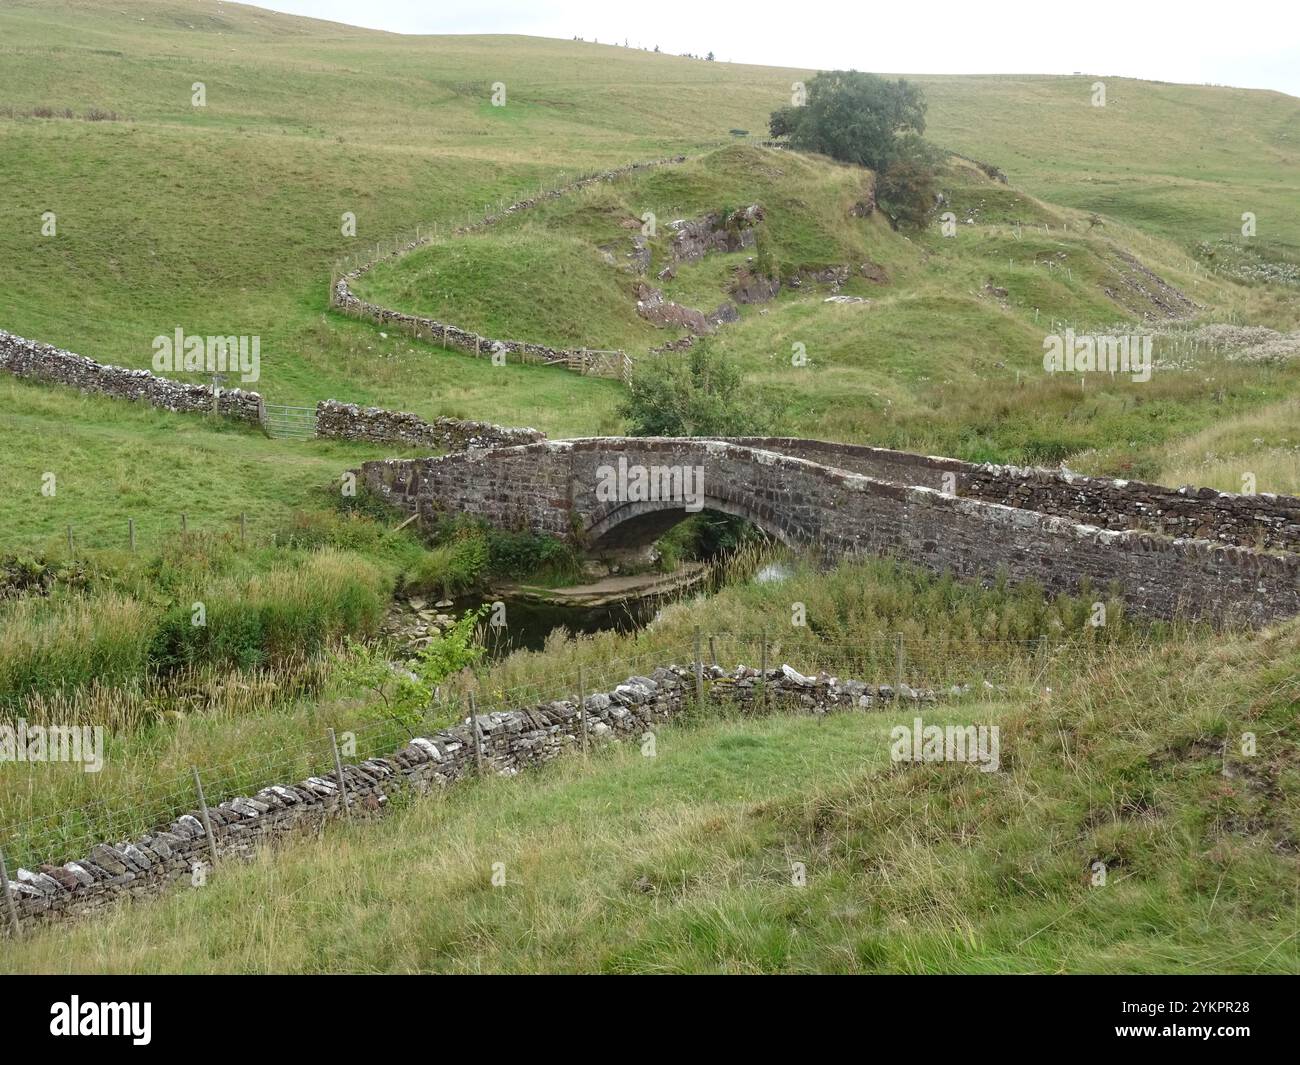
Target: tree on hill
854	117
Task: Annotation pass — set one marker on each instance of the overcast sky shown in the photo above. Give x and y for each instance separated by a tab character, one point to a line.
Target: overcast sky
1249	43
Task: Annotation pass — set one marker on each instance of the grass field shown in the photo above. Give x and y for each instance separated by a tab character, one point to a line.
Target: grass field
227	218
683	862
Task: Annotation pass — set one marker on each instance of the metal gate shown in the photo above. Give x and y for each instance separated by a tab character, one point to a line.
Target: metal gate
285	422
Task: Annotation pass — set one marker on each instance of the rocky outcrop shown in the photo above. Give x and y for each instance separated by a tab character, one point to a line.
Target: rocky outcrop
716	232
347	421
664	313
749	287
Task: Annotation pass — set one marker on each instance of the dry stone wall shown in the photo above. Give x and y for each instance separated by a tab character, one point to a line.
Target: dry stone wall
43	362
551	488
1265	520
347	421
343	421
510	741
615	364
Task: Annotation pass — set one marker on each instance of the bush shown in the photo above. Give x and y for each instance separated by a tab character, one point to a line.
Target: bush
276	616
697	393
907	193
47	647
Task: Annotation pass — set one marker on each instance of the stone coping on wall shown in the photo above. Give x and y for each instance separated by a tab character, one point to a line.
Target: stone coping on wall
348	421
1265	520
36	361
508	741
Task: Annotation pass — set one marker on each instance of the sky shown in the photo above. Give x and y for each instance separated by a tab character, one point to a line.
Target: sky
1246	43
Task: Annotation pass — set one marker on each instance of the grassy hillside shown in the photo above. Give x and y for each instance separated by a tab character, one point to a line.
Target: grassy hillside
227	219
1183	161
683	862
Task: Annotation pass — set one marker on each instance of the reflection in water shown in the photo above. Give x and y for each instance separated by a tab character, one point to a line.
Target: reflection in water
527	624
773	573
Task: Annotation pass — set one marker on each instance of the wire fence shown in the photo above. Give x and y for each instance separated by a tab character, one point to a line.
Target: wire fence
92	809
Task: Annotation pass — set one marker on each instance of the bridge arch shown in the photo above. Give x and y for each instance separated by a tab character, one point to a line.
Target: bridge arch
639	524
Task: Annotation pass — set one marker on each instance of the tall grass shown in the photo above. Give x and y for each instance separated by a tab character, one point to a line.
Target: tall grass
290	611
46	647
682	862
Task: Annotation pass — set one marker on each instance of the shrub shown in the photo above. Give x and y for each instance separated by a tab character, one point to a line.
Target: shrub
697	393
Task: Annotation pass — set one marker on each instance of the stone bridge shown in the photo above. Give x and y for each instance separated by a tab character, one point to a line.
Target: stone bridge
1167	552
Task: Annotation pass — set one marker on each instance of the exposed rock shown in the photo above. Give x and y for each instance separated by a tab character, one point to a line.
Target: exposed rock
715	232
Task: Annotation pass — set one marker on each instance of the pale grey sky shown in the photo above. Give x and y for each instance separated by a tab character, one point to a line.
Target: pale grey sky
1248	43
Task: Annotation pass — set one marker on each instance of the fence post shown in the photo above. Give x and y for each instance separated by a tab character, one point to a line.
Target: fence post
713	651
582	707
183	522
207	821
69	539
699	672
478	740
9	899
130	532
243	528
338	772
763	689
898	669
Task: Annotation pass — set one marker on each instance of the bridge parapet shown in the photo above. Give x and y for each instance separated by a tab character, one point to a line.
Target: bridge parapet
617	492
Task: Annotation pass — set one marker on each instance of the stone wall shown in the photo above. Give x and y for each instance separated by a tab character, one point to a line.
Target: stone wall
347	421
46	363
551	488
1265	520
580	360
510	741
616	364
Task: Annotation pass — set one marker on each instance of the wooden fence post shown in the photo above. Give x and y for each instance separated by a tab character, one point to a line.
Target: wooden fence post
207	821
898	669
338	772
699	671
763	689
9	899
582	708
478	740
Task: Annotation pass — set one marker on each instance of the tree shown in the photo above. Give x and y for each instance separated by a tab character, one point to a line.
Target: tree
906	192
854	117
698	393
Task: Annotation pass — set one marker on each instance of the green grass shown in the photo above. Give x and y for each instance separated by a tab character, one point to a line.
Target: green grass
683	862
226	219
